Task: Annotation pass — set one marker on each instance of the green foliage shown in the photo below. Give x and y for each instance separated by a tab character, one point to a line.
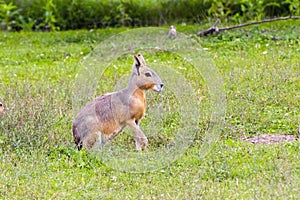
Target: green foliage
8	13
244	10
26	25
76	14
294	6
49	22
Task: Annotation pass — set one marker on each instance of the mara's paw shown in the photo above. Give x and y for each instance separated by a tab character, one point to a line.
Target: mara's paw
141	143
144	143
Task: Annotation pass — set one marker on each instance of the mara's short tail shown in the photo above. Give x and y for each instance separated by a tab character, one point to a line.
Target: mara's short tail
77	139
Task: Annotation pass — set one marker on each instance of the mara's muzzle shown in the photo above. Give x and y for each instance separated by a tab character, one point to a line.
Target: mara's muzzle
158	87
2	109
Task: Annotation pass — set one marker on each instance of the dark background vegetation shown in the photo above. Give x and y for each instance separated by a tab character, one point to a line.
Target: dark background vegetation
53	15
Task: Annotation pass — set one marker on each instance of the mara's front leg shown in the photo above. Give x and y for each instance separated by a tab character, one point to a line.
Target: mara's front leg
141	140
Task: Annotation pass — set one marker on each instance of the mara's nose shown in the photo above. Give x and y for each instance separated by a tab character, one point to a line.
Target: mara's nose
162	85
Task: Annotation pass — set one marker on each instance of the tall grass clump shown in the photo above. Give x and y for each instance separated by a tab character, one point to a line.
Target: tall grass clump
38	114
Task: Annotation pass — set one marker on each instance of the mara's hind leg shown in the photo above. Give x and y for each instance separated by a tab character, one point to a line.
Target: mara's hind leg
100	141
92	140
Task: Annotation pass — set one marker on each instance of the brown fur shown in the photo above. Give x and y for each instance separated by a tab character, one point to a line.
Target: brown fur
138	105
106	116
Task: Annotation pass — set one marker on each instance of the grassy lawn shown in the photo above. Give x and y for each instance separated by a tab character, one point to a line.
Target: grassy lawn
260	68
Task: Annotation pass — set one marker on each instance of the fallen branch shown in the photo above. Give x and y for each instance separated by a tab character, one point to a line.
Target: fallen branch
215	29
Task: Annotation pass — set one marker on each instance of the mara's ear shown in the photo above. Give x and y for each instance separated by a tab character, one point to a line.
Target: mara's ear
139	62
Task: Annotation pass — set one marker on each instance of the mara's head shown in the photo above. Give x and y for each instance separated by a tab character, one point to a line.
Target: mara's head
2	109
146	78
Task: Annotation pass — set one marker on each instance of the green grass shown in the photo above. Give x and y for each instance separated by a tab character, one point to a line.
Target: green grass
261	78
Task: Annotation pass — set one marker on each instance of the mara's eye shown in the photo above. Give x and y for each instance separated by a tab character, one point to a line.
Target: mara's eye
1	105
148	74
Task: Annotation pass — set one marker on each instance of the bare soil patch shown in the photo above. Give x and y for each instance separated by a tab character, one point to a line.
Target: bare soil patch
271	138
